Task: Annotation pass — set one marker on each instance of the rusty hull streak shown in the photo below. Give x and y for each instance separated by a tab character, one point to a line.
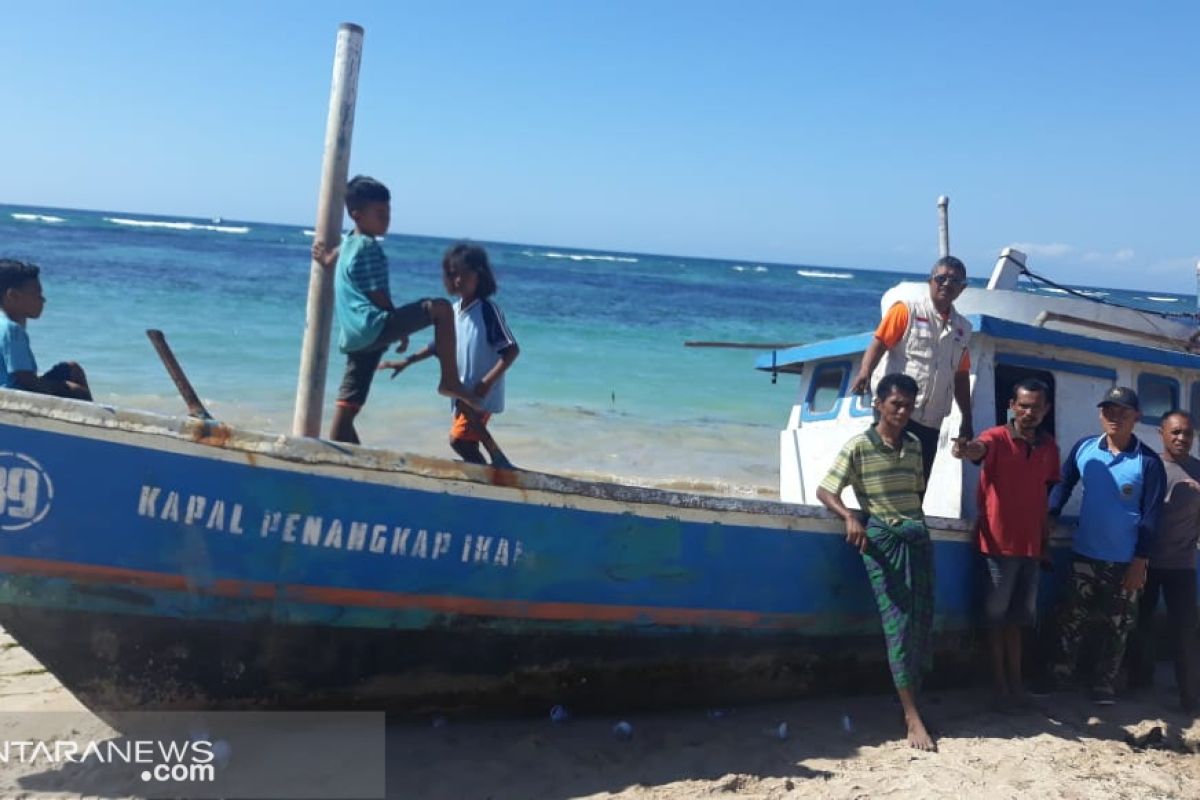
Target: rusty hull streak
507	478
207	432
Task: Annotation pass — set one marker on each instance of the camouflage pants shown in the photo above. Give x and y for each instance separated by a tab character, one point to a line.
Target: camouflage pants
1094	592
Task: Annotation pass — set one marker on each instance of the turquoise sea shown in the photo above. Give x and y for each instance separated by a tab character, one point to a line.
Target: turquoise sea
604	385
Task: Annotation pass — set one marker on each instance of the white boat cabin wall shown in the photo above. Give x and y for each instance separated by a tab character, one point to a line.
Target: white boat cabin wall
1076	346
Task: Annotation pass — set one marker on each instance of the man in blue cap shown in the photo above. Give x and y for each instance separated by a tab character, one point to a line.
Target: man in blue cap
1123	486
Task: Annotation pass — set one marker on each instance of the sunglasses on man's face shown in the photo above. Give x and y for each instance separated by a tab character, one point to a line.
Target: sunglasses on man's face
948	280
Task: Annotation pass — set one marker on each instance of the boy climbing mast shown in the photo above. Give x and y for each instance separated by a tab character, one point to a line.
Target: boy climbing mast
369	322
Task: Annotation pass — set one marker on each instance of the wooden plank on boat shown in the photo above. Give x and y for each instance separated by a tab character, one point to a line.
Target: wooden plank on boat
195	407
743	345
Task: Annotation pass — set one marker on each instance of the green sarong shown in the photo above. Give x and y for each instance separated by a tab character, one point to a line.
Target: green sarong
899	562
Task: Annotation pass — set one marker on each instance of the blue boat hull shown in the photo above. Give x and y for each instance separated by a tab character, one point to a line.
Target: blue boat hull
157	562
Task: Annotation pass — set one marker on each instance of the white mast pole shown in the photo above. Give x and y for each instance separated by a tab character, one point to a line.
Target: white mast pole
339	126
943	204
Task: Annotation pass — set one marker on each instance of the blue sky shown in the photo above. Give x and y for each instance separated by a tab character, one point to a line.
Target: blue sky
817	133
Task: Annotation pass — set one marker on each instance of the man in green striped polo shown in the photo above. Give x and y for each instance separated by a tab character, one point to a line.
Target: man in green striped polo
884	467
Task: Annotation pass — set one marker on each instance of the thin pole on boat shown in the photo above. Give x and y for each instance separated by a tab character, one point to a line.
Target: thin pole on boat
1193	343
339	126
944	226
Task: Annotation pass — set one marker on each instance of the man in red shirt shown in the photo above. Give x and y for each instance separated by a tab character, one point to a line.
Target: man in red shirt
1020	464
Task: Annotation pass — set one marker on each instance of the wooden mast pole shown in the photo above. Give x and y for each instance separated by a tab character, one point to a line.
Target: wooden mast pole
943	226
339	126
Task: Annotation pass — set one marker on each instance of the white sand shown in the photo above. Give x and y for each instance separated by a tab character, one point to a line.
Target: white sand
1065	749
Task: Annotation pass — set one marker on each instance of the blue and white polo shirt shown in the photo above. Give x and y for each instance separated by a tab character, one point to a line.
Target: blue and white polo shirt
1122	498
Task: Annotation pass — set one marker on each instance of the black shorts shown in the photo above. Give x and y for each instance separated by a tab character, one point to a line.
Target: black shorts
1012	590
361	364
59	372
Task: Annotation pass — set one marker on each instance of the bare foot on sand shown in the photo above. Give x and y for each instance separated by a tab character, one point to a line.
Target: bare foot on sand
918	737
459	392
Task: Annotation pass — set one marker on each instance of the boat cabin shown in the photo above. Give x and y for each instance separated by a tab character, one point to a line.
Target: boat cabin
1079	347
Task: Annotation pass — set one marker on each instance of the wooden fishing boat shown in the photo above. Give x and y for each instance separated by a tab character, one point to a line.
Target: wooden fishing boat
153	561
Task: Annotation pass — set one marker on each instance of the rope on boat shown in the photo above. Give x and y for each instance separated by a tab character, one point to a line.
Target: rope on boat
1189	315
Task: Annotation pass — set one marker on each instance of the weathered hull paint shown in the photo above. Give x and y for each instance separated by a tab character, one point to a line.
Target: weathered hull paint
114	661
152	561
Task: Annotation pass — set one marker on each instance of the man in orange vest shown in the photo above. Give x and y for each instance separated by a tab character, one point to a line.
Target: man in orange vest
927	340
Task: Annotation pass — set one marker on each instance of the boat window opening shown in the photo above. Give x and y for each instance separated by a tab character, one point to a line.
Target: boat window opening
861	405
1158	394
826	390
1008	376
1194	406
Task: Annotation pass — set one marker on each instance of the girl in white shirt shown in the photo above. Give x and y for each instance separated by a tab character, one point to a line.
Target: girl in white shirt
485	343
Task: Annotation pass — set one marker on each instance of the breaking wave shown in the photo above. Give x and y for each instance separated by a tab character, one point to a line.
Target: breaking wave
584	257
816	273
37	218
177	226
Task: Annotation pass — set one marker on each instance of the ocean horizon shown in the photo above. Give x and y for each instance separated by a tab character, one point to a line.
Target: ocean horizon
604	387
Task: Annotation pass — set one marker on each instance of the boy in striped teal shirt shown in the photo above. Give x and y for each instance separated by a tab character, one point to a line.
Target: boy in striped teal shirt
368	321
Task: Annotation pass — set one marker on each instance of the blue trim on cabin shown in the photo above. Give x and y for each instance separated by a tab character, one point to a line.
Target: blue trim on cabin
861	406
999	329
1004	329
1194	399
1055	365
1145	379
806	412
830	348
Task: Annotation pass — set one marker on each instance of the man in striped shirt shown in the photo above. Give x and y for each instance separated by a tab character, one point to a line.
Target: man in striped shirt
884	467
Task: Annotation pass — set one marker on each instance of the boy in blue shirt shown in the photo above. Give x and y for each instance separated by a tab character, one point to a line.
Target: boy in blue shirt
1123	486
21	300
369	322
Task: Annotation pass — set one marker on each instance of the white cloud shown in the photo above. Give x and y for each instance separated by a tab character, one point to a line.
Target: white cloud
1054	250
1171	274
1182	265
1122	255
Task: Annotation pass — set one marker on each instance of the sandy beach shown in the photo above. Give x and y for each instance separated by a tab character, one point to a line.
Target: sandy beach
836	747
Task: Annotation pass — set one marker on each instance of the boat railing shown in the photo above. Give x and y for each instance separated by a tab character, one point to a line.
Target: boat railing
66	416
